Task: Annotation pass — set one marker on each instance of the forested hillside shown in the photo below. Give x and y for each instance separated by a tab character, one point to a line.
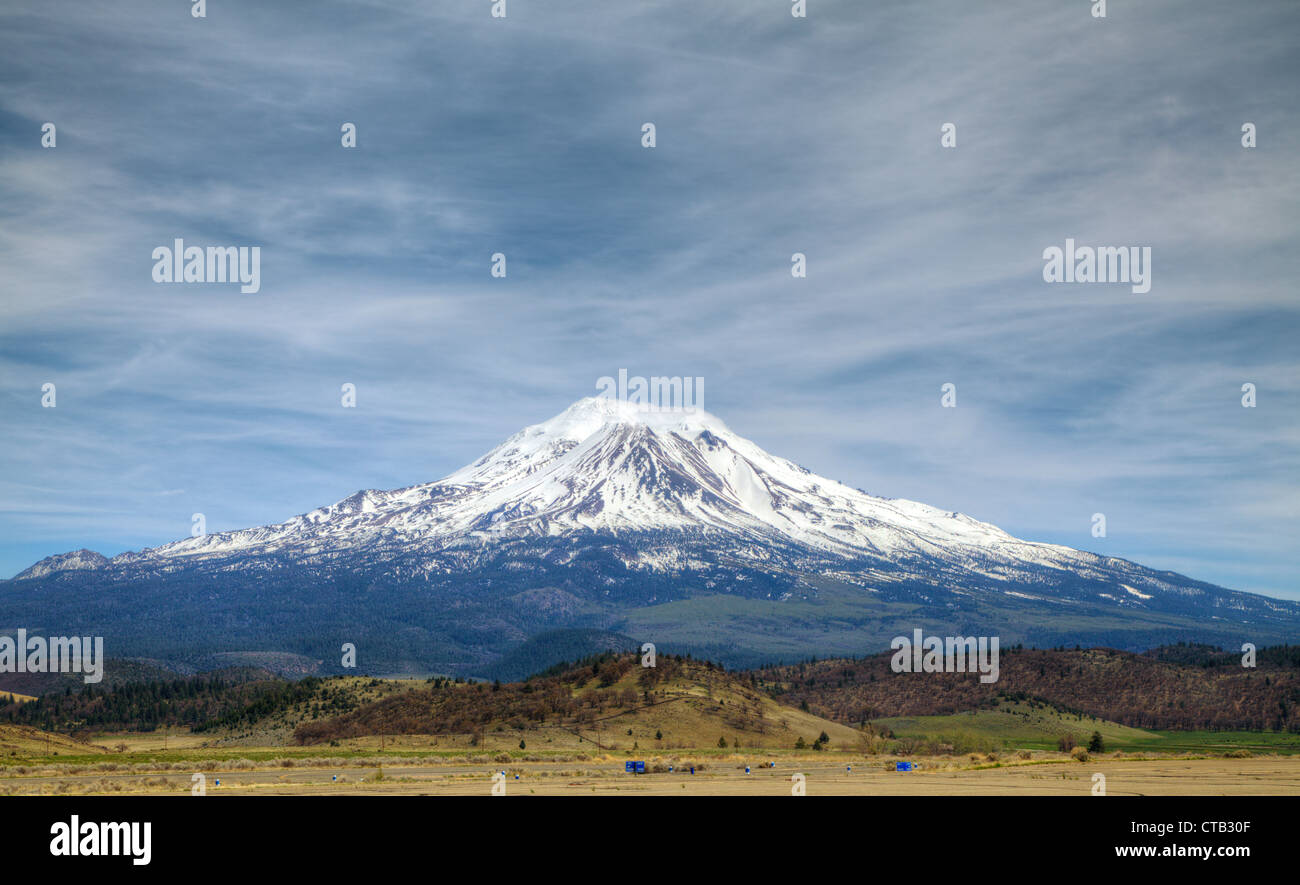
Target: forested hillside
1176	687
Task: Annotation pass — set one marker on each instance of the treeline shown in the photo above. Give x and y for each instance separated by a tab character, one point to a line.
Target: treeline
1176	687
266	699
1184	687
141	706
1193	654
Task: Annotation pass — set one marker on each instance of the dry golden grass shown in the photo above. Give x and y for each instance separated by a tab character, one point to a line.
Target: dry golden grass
1046	774
673	721
24	741
700	707
151	742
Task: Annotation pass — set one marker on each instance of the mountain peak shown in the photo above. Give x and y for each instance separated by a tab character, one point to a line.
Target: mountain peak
64	562
608	465
608	507
589	414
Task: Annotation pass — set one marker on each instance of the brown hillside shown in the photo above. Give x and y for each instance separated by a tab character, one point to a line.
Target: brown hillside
1137	690
612	701
25	741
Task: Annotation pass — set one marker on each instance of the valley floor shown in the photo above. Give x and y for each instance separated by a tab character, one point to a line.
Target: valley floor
826	774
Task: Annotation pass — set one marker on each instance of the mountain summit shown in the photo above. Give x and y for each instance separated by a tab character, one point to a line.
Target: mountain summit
603	465
613	516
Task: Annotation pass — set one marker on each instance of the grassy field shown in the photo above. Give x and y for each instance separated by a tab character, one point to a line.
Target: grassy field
690	715
21	743
557	761
1038	728
1218	742
415	770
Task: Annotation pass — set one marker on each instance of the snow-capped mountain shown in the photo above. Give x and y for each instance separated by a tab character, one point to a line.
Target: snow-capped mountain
604	465
609	512
63	562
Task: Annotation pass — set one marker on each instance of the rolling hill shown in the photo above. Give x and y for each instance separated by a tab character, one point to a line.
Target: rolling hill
1171	688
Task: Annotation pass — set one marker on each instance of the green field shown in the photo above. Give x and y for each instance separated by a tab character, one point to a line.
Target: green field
1030	727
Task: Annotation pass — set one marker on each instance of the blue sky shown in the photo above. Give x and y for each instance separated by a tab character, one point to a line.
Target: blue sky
775	135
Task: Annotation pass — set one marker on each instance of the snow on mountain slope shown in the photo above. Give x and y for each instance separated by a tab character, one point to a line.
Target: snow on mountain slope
686	490
62	562
599	515
606	465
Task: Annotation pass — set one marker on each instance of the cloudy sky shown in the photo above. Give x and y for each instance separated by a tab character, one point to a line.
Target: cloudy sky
775	135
